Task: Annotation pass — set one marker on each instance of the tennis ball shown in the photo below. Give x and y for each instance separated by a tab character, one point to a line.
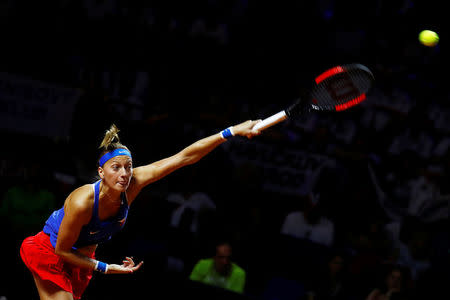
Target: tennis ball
428	38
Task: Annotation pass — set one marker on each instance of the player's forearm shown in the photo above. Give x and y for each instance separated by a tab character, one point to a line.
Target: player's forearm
196	151
78	259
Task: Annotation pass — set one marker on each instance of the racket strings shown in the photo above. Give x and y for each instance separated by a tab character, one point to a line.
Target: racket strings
342	90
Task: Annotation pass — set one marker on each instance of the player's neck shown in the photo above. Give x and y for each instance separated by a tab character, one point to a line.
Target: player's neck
109	195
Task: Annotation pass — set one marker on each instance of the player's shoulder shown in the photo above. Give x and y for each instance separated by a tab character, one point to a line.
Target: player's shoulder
82	198
84	190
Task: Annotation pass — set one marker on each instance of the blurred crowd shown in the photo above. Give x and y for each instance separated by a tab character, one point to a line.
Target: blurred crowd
367	219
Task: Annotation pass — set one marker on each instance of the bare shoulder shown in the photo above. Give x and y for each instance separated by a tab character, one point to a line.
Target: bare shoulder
81	200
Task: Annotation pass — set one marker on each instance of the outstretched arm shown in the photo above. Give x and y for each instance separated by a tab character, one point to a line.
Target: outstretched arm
147	174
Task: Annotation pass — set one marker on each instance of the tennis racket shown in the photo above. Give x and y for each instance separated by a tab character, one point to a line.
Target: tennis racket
336	89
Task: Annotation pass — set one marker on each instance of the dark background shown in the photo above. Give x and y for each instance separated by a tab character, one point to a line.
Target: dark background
208	65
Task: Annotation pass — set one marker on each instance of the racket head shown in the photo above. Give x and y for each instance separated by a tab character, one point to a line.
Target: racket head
341	87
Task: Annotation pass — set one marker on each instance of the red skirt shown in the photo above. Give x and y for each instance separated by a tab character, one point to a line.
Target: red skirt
39	256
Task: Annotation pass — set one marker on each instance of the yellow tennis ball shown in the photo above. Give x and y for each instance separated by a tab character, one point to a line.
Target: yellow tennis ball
428	38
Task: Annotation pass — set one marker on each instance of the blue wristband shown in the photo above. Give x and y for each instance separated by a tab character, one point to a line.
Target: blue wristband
101	267
226	133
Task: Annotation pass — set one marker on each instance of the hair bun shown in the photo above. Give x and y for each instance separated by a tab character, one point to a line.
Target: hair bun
111	137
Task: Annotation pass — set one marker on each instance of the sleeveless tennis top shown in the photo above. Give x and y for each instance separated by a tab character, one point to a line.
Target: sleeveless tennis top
96	231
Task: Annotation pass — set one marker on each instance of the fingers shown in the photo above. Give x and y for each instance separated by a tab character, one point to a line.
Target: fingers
138	266
134	268
128	261
246	128
130	265
250	132
254	132
124	269
254	123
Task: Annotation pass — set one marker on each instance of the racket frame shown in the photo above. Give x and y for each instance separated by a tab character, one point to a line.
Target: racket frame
300	107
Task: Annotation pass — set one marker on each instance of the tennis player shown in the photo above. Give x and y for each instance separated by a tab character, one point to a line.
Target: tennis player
61	257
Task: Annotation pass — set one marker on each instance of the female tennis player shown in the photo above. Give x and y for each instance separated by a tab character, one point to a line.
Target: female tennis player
61	256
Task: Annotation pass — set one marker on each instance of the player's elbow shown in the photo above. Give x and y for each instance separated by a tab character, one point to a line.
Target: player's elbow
61	252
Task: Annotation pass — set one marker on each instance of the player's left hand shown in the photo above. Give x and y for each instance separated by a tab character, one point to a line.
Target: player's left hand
127	266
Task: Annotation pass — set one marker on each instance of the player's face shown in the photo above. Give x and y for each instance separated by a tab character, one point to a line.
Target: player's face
117	172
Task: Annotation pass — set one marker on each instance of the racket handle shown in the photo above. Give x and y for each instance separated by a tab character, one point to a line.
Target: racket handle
270	121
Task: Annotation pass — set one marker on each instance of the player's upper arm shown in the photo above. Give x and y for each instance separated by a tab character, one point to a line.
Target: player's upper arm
147	174
77	213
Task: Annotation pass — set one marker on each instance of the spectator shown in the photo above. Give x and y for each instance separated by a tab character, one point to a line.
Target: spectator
411	190
220	270
187	225
310	223
411	242
370	247
393	285
197	203
331	281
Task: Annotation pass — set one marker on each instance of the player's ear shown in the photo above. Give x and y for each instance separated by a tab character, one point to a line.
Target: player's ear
101	173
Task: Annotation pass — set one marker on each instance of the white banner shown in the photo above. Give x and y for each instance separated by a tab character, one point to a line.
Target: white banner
35	107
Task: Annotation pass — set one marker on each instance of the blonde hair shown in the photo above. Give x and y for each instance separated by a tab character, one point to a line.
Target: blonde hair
111	141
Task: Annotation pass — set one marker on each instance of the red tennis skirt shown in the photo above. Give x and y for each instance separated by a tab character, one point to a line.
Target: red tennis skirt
39	256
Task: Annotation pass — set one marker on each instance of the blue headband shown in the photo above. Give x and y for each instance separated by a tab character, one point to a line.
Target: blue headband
111	154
